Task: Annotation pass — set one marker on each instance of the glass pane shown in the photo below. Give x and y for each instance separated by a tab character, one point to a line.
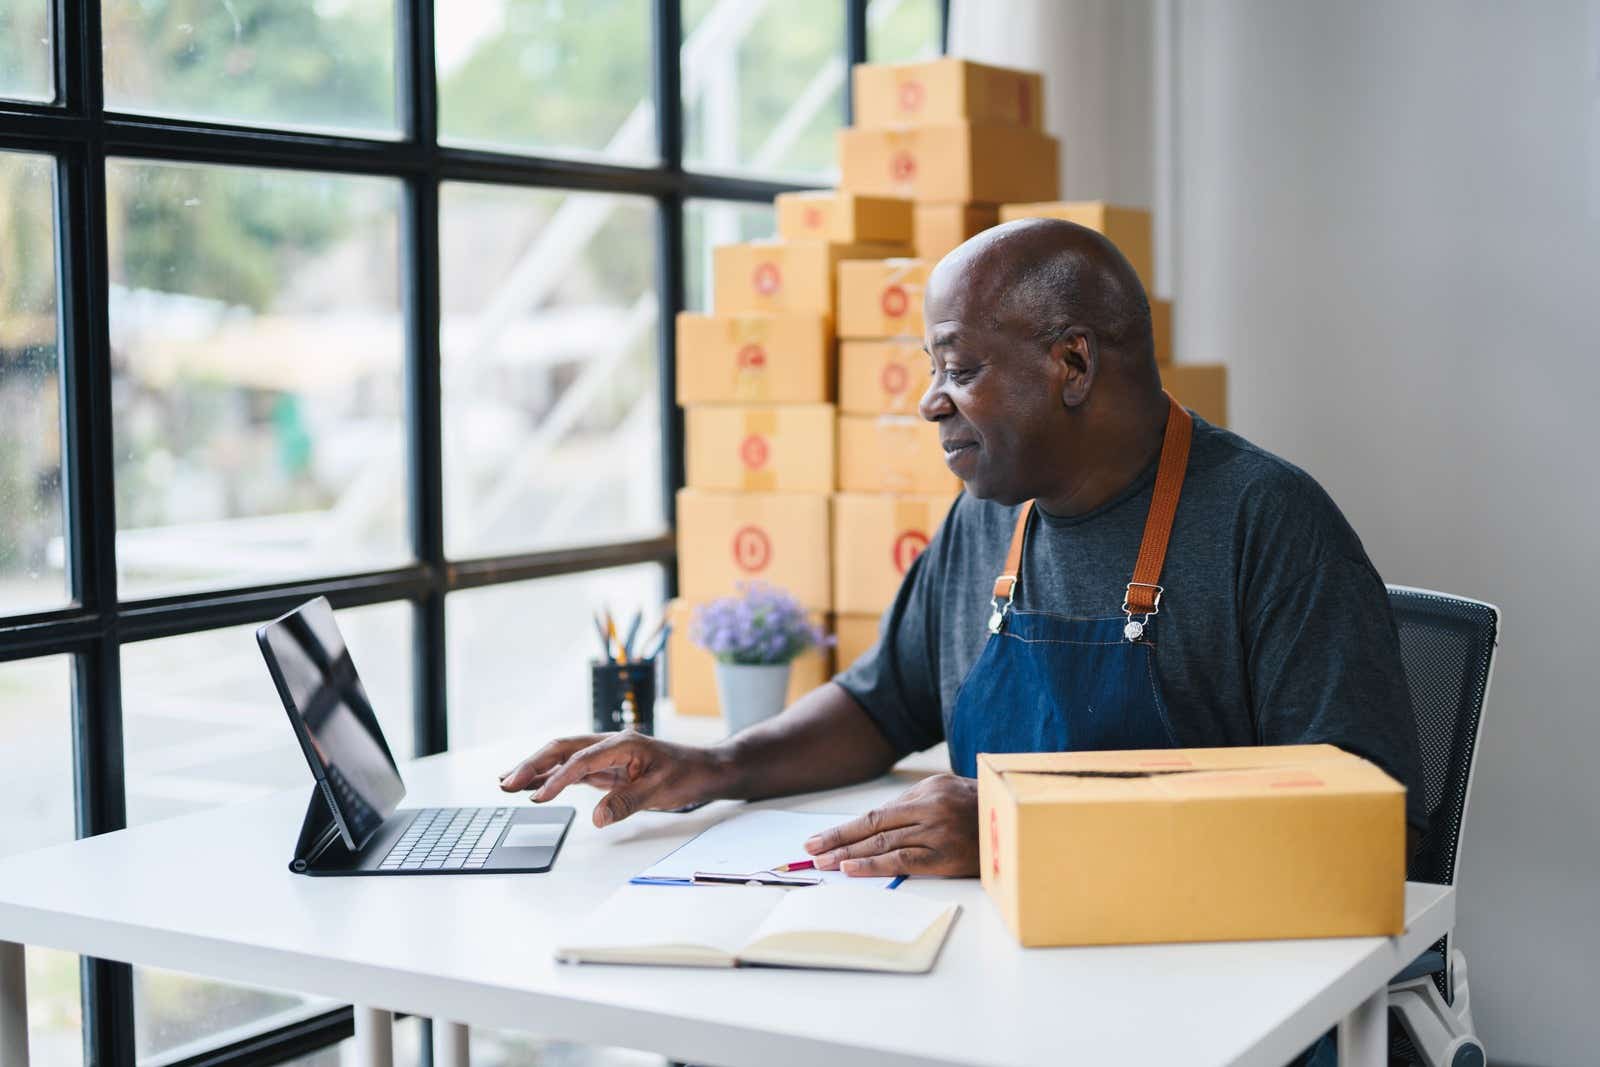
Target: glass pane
327	65
763	86
257	358
564	76
709	223
36	796
552	430
203	727
27	67
519	654
31	528
901	31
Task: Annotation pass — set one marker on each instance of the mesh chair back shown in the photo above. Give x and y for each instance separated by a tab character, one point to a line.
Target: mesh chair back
1448	644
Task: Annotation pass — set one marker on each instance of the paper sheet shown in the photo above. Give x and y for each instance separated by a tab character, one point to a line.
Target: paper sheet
752	841
849	909
635	917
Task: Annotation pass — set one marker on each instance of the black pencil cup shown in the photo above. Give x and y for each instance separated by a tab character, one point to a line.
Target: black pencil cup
623	695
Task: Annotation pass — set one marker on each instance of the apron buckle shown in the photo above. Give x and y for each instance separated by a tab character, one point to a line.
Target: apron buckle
1135	627
998	618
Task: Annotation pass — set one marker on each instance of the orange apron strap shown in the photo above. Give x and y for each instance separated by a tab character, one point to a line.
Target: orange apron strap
1144	592
1005	586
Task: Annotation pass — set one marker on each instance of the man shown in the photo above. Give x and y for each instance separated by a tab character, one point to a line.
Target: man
1169	585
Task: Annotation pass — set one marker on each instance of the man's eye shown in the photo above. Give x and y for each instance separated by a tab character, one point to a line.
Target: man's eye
960	375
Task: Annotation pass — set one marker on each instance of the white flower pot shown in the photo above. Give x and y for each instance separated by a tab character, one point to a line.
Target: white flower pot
750	693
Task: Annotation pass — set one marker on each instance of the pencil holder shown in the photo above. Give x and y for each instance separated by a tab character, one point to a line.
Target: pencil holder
623	695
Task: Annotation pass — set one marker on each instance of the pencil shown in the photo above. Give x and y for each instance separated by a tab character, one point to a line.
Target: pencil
798	865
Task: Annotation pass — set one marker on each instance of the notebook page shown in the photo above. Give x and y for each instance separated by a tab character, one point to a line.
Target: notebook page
753	841
846	909
721	918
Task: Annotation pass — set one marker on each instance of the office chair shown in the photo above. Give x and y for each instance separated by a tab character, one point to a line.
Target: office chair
1448	644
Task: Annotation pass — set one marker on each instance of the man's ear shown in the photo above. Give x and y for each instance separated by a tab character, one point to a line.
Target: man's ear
1075	356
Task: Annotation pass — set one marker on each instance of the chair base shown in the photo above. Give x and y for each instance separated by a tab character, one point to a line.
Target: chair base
1442	1034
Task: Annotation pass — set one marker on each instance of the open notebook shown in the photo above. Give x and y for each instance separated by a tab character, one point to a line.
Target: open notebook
829	926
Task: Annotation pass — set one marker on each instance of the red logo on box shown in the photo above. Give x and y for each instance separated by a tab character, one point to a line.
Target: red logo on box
894	301
902	166
752	357
994	841
752	550
907	547
766	278
911	96
813	218
754	451
894	379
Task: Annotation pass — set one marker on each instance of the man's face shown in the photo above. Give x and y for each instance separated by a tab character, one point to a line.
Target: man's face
993	392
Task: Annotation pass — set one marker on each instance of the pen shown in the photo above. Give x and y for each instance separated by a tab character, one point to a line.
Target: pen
652	643
611	635
605	645
666	631
633	632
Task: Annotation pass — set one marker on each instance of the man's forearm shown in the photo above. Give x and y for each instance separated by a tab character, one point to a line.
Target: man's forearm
821	741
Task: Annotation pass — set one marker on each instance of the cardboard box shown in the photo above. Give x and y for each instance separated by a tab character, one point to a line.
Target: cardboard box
778	538
949	162
1200	387
881	297
785	275
854	634
941	90
937	229
882	377
876	538
831	215
1221	844
1126	227
760	449
1161	328
691	670
781	357
892	454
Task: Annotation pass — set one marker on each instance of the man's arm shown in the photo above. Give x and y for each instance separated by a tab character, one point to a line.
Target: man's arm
822	741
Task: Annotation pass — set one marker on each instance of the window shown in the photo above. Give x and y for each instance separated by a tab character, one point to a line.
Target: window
283	315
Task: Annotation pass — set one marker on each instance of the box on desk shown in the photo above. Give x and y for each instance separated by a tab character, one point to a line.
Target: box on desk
892	454
957	161
778	538
876	538
1126	227
832	215
691	670
777	357
1161	328
940	90
881	297
854	634
761	449
785	275
1220	844
881	377
1201	387
937	229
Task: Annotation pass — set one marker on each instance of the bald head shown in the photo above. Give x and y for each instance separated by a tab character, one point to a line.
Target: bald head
1040	277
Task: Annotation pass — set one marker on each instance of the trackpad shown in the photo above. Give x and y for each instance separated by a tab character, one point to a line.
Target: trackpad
533	835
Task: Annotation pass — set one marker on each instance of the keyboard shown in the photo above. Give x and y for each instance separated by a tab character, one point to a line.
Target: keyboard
447	839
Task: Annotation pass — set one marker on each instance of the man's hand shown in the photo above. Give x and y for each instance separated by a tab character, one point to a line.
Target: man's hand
639	772
931	828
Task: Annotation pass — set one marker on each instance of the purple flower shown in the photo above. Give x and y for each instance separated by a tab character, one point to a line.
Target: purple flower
762	625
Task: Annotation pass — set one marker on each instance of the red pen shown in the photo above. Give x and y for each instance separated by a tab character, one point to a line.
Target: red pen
800	865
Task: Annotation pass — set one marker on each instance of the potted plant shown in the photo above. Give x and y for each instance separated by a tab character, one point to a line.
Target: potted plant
754	637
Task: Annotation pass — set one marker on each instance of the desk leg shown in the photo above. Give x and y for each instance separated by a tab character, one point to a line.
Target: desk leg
449	1044
13	1005
1364	1033
374	1037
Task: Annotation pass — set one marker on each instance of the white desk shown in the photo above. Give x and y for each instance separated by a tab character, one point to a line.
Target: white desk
211	894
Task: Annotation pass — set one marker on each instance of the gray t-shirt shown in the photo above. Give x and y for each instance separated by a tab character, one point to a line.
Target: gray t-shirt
1274	628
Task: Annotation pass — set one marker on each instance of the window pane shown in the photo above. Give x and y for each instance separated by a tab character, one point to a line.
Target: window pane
203	727
31	547
565	76
552	431
257	356
763	86
36	796
327	65
519	654
27	70
900	31
709	223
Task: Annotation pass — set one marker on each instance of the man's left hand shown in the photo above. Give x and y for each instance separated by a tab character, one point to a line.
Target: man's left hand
931	828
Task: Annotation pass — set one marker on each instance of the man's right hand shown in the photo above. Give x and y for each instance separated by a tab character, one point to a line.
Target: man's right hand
639	773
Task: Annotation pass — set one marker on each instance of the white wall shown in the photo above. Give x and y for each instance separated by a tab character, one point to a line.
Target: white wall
1387	221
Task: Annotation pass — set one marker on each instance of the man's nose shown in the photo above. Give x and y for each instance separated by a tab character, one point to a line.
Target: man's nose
934	404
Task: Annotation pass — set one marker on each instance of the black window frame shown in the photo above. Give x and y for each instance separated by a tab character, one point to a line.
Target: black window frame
79	133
